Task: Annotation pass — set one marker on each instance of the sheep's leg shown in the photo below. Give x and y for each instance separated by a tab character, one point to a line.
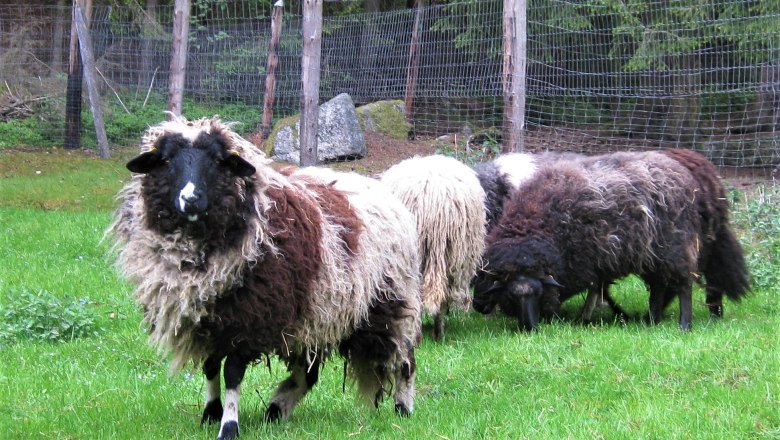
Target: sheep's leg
715	302
657	298
405	374
303	376
686	293
438	323
593	299
234	370
212	412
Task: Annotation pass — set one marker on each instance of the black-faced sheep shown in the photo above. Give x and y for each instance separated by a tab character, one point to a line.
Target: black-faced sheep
581	224
500	179
235	261
448	203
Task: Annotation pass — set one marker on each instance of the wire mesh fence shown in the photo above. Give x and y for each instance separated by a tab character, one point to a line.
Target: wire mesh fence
603	75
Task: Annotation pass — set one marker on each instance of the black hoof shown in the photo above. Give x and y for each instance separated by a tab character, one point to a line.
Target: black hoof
273	413
212	413
716	311
402	410
229	431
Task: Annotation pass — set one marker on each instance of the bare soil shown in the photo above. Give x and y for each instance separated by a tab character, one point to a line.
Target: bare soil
385	151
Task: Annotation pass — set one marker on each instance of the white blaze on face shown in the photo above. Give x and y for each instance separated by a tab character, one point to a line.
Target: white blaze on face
186	194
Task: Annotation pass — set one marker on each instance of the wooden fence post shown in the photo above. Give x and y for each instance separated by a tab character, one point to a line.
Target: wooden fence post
310	66
181	30
270	75
75	77
514	73
413	65
88	60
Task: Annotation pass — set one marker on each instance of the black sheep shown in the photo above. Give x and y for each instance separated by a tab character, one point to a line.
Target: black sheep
582	224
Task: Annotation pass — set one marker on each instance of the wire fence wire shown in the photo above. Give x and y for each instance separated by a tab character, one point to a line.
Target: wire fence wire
603	75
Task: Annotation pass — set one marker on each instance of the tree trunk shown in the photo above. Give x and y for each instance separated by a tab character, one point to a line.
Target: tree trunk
181	30
767	105
368	55
85	46
57	39
684	106
310	67
72	139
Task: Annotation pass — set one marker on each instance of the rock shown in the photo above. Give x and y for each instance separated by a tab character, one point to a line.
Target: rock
339	136
385	117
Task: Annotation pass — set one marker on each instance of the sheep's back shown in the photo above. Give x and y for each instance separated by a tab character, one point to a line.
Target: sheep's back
382	260
448	202
614	214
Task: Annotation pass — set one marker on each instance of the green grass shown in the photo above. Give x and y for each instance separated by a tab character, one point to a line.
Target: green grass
485	380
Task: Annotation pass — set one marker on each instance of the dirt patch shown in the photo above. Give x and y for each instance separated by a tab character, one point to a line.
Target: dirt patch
385	151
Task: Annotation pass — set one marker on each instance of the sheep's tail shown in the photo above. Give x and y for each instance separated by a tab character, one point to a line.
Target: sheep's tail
723	264
725	271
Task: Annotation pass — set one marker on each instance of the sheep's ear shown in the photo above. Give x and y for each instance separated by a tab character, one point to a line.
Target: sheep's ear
144	162
240	167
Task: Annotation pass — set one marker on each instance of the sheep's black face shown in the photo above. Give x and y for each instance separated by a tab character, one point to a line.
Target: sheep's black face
518	278
185	178
522	300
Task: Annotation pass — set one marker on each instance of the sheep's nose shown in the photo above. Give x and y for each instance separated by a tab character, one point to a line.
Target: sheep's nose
189	196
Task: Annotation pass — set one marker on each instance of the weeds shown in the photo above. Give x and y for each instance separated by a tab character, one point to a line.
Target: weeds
43	316
468	153
758	218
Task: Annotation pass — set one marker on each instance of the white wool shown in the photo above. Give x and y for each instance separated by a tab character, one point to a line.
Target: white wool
517	167
387	250
447	200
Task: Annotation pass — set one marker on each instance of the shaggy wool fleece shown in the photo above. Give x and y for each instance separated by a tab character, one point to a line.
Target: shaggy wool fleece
448	202
351	277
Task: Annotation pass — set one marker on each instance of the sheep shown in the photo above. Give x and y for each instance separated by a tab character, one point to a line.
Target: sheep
234	261
447	201
582	224
500	178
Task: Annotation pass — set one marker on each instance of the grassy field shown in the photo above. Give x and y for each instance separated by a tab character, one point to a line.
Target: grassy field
75	363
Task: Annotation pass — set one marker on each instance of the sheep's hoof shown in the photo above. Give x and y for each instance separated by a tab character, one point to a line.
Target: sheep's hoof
212	413
402	410
229	431
716	310
273	413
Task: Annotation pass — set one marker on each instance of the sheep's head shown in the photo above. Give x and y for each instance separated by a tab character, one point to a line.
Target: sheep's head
519	276
187	174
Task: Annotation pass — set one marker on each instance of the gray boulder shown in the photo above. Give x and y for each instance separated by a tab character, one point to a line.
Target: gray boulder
339	136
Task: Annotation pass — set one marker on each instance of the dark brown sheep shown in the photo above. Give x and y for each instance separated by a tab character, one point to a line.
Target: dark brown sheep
581	224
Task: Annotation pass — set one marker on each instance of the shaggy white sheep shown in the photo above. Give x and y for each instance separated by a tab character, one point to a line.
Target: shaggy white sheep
448	202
